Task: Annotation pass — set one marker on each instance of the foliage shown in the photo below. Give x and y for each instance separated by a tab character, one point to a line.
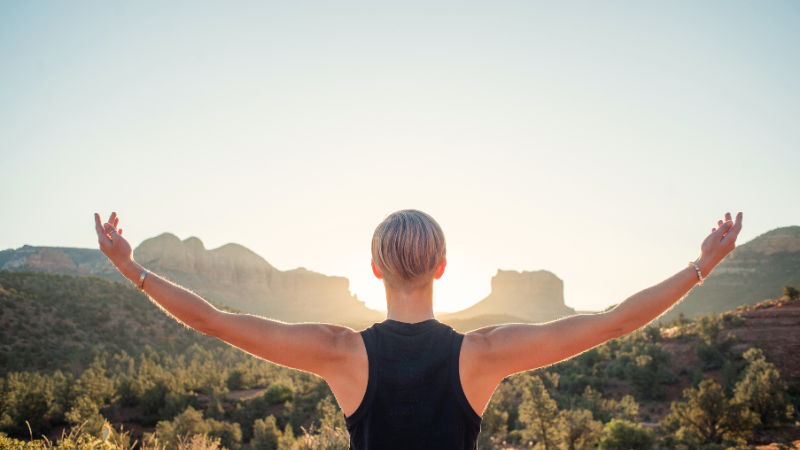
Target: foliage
605	410
791	293
712	352
707	416
539	413
191	423
763	391
579	430
624	435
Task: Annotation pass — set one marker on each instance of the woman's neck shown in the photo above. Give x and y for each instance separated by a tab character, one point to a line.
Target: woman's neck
410	306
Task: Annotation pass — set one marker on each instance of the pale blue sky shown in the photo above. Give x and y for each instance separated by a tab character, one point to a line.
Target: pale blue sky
597	141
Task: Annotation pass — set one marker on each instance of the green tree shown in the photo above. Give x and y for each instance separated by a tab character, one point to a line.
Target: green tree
86	414
706	416
539	413
579	430
604	409
791	293
708	327
28	398
266	434
331	433
649	376
763	391
190	423
625	435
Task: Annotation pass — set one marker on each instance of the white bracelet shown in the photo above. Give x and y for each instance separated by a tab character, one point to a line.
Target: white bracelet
699	274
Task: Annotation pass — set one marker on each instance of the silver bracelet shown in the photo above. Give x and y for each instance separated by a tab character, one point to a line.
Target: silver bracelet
140	284
699	274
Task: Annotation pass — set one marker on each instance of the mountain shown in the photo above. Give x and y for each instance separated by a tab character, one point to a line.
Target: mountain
60	260
754	271
532	296
231	275
238	277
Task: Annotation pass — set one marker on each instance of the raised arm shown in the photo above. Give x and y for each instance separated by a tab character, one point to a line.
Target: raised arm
333	352
490	354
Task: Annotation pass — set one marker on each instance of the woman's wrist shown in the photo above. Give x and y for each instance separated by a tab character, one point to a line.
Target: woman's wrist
130	269
706	265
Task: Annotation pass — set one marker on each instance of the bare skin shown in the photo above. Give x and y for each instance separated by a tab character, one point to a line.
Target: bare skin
488	355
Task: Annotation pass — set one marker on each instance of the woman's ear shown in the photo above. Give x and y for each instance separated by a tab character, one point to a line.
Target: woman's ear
375	270
440	270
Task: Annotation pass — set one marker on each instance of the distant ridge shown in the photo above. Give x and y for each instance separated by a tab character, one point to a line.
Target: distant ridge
753	272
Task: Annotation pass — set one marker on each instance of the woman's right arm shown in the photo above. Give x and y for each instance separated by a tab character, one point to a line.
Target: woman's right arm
318	348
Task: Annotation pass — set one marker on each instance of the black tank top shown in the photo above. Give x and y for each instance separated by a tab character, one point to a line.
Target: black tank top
414	398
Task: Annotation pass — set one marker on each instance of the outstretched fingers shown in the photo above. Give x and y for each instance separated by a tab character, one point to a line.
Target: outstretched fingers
102	237
735	228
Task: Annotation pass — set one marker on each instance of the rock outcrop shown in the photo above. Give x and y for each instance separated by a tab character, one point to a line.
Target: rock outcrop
236	276
753	272
534	296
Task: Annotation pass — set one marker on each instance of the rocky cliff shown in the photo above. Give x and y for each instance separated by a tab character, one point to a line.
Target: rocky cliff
236	276
534	296
754	271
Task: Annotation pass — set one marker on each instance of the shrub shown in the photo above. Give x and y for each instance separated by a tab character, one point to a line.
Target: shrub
707	416
579	430
624	435
763	391
279	392
791	293
190	423
266	434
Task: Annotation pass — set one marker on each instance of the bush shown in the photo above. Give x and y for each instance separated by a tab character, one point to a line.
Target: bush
707	416
604	409
278	393
763	391
190	423
266	434
791	293
624	435
579	430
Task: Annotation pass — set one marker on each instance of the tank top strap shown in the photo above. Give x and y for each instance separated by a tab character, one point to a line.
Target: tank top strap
455	378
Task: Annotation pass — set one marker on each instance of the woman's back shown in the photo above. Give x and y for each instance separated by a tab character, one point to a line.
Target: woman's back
414	398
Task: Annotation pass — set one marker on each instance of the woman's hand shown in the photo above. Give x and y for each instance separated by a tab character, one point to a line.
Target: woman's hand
719	243
113	245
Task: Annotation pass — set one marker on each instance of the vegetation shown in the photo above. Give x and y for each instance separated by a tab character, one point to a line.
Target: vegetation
177	389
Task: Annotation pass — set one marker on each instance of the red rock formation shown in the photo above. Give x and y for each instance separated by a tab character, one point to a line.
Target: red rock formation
236	276
535	296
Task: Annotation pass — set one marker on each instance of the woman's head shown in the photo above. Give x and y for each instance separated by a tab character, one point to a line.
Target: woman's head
408	246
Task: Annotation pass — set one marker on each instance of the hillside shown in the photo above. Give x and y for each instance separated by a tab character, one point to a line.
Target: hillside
754	271
51	321
530	296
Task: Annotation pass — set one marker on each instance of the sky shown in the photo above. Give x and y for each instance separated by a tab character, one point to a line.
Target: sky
600	142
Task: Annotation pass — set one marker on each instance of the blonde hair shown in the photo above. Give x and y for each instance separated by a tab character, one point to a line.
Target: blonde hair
407	247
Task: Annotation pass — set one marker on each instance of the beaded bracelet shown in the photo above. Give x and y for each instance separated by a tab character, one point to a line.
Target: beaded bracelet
699	275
